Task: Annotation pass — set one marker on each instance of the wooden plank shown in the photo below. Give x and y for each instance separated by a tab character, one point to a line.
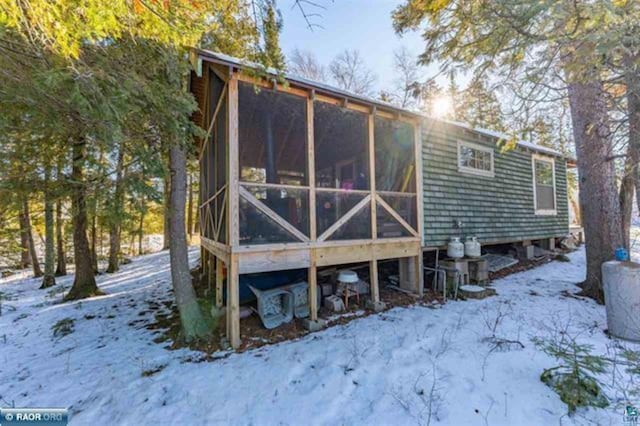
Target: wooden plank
271	185
210	260
233	302
266	261
233	228
213	119
304	256
342	255
373	278
396	216
419	273
396	249
319	244
269	84
373	263
419	181
272	214
311	168
339	101
219	226
346	191
333	228
218	249
214	196
312	279
219	282
372	175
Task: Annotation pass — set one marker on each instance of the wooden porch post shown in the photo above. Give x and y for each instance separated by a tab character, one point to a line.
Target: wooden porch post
373	263
233	290
219	283
311	170
419	206
233	302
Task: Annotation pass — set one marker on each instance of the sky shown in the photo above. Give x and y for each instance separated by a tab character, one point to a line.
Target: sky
364	25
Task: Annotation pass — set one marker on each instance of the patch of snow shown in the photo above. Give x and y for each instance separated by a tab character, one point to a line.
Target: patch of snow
472	288
387	368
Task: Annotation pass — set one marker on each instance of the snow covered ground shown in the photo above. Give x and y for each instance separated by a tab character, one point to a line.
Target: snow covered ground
415	365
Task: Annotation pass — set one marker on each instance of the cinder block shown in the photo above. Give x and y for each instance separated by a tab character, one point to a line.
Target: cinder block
316	325
378	306
525	252
334	303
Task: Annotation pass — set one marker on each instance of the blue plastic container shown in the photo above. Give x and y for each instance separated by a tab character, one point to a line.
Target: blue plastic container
622	255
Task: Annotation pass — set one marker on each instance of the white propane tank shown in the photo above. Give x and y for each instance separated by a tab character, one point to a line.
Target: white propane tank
472	247
622	298
455	249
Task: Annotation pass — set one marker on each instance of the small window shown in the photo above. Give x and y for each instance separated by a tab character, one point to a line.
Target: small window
544	185
475	159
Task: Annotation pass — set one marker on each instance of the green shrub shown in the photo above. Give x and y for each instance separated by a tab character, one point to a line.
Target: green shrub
575	379
63	327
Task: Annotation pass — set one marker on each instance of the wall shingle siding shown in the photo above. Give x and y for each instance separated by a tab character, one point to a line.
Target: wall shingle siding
495	209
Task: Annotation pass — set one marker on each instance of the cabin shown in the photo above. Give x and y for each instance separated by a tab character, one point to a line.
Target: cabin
473	186
297	175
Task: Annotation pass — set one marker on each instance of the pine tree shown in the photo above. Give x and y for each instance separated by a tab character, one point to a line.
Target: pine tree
529	44
272	55
479	107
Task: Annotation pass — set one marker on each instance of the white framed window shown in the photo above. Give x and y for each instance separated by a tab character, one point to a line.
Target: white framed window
475	159
544	184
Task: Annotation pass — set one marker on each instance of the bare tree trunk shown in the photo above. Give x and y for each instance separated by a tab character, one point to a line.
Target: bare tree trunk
167	192
49	279
37	272
193	323
94	251
632	79
190	209
599	200
627	192
61	258
84	283
116	215
25	253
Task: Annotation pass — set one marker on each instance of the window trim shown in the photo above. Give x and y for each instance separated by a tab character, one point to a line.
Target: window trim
471	170
547	159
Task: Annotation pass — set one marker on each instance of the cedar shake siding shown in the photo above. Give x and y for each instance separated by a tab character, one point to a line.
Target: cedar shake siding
496	209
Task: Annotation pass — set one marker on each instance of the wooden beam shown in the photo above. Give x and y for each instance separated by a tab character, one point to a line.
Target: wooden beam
269	84
419	273
396	216
373	263
311	170
333	228
215	115
272	214
218	249
219	282
372	174
219	223
274	260
419	182
272	185
233	302
210	258
233	228
214	196
313	290
373	280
